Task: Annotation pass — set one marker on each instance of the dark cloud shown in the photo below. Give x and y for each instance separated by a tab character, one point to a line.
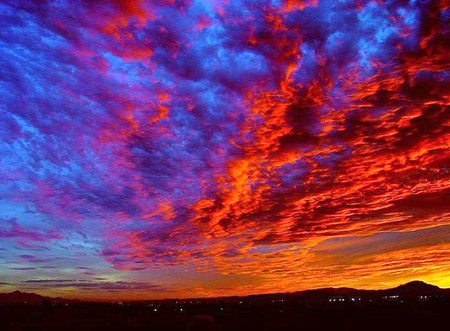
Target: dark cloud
11	229
23	268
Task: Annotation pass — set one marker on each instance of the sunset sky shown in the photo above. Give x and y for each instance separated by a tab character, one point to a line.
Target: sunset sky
186	148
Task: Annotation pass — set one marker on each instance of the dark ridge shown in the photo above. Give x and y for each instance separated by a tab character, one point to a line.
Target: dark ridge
417	286
410	289
21	297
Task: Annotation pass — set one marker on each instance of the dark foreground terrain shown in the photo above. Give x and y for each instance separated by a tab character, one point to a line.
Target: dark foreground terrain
411	307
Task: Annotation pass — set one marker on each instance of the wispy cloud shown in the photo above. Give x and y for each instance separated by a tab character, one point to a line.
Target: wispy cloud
93	285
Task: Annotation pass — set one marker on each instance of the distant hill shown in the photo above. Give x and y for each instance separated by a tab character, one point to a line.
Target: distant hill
412	289
21	297
409	290
416	287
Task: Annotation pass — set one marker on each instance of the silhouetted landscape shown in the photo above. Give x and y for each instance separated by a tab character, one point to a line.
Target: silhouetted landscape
412	306
198	162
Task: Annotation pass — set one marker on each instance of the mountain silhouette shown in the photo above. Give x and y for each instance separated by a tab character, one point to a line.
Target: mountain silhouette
21	297
410	289
416	287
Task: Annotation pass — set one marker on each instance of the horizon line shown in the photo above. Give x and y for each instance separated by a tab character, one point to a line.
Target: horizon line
101	300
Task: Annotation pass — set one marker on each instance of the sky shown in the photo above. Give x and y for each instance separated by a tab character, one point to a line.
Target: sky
186	148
